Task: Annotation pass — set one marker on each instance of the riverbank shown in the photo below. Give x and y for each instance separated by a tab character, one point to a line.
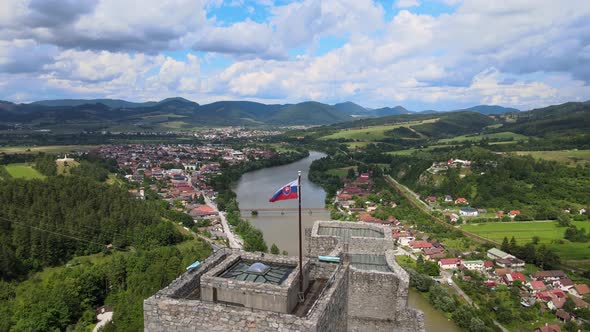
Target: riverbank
227	204
279	220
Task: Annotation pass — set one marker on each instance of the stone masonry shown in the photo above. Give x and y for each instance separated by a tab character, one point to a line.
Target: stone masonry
346	297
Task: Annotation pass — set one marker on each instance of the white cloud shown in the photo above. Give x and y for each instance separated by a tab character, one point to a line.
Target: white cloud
406	3
519	53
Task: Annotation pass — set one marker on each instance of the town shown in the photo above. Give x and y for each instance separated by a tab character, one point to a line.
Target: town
180	174
552	292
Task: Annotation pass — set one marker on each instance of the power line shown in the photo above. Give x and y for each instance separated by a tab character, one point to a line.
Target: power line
59	234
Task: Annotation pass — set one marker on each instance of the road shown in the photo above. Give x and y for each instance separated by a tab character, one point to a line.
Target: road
410	192
234	241
447	276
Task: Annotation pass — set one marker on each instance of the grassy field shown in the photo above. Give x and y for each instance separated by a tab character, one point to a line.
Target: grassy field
48	149
408	152
63	168
374	133
339	172
548	232
573	157
503	136
23	171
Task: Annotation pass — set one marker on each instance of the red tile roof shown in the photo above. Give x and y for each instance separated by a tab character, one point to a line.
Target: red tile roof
420	244
582	289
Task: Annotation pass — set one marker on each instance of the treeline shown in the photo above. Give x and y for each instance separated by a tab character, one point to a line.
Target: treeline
66	299
540	189
47	222
465	316
226	197
223	182
539	254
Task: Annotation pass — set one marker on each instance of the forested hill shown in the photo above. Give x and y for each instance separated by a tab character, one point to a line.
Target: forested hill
47	222
568	118
182	114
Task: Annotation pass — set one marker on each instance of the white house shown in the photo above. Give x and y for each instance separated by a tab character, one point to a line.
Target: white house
449	263
468	212
476	265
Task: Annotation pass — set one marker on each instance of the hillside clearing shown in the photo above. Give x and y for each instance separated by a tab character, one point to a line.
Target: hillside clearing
563	156
373	133
502	136
23	171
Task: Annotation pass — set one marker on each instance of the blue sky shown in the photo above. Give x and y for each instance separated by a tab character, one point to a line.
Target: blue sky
422	54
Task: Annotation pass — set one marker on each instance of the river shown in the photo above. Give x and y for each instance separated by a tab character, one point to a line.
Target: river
280	227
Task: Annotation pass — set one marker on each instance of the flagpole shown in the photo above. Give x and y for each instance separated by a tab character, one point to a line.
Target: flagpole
301	295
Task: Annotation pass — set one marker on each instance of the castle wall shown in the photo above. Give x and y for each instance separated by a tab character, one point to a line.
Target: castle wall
279	298
372	294
178	315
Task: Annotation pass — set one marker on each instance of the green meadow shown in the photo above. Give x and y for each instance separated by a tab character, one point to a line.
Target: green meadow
563	156
503	136
548	232
23	171
373	133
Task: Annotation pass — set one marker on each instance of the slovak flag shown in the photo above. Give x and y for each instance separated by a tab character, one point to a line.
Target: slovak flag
288	191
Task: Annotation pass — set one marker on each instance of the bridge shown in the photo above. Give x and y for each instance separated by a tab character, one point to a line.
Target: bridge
283	210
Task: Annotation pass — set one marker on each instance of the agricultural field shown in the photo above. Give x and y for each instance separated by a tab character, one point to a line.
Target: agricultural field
408	152
503	136
56	149
23	171
373	133
548	232
571	157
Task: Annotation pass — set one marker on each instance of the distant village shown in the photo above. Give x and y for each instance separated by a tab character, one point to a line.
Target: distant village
180	173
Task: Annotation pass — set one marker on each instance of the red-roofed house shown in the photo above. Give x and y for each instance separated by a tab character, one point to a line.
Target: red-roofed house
419	245
461	200
513	213
580	290
202	211
431	199
449	263
548	328
512	277
488	265
536	286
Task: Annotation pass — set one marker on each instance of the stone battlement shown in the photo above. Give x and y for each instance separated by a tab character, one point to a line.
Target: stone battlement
366	291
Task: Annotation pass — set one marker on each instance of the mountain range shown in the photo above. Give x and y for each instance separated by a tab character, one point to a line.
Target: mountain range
179	113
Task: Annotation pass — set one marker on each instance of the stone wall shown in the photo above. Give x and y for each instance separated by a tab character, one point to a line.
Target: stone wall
332	310
279	298
331	245
372	294
162	313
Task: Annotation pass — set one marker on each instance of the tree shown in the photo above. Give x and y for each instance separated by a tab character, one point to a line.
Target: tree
505	246
351	173
513	245
569	305
564	220
536	239
274	249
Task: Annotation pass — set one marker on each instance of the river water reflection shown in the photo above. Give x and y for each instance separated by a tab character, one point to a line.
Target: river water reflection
280	227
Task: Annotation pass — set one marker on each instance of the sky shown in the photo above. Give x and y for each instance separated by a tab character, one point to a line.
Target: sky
422	54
